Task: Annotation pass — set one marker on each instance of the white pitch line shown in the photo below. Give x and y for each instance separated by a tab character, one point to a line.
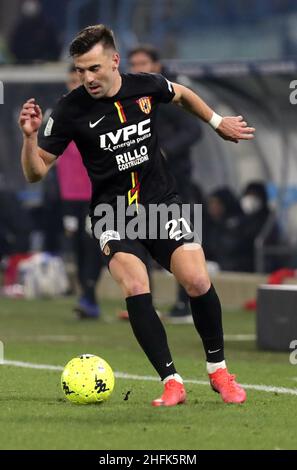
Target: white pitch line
30	365
122	375
73	338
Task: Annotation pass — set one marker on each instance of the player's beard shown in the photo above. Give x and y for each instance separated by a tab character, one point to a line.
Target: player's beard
96	91
102	88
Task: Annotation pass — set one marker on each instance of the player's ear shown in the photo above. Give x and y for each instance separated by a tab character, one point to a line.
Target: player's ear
115	60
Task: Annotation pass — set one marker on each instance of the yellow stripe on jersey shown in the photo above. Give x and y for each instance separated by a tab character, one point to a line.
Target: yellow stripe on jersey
133	194
121	112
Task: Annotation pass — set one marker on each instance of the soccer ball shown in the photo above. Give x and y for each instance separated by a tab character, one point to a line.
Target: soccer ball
87	379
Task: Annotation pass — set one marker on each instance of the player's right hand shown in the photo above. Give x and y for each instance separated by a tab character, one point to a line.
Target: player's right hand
30	118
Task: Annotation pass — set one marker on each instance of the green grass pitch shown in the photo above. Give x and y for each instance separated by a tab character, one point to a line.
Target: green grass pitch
35	415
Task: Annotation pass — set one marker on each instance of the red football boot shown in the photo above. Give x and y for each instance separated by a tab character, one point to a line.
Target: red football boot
224	383
174	394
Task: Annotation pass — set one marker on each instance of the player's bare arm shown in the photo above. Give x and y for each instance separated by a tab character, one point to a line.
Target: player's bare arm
233	128
35	161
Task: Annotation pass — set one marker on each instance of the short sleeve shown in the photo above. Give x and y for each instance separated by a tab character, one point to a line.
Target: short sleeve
57	132
164	88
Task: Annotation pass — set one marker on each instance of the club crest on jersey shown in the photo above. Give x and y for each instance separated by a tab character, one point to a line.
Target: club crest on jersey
145	104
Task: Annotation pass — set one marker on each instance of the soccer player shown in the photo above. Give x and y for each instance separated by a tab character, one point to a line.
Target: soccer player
177	132
111	118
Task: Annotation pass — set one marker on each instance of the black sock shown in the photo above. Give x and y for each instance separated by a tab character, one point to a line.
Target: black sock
207	316
150	333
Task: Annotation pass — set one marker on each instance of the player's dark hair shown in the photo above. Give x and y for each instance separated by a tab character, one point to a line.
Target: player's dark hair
147	49
89	37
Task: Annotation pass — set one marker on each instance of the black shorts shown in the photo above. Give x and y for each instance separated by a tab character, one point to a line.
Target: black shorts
156	237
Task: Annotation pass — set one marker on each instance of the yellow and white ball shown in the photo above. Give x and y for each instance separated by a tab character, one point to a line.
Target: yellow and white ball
87	379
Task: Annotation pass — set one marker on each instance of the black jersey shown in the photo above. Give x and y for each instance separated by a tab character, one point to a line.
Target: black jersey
117	138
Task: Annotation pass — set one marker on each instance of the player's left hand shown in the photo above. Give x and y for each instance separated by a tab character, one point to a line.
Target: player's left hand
235	129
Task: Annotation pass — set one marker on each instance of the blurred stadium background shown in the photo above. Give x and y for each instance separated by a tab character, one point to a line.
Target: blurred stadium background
241	56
